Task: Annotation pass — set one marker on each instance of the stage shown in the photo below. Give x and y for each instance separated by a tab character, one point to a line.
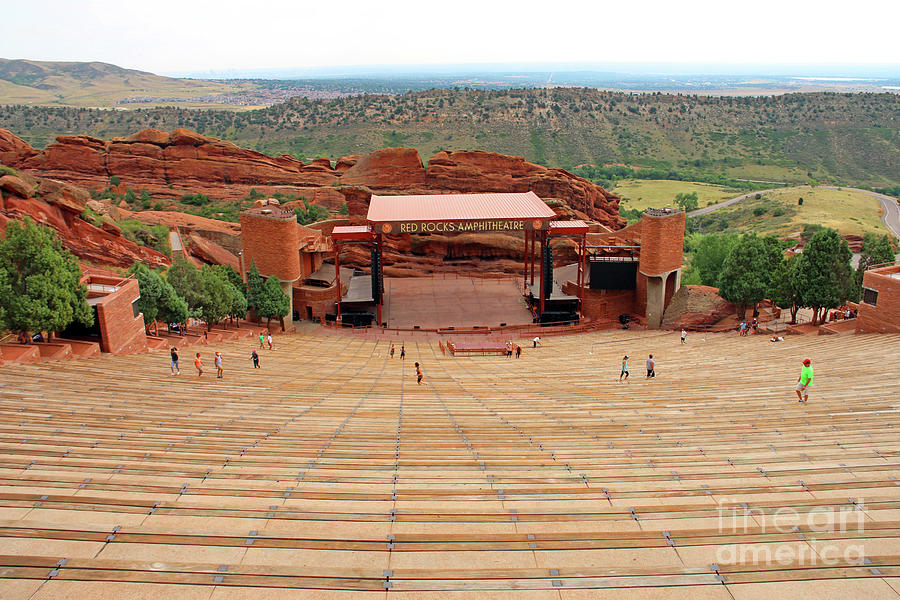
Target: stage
451	301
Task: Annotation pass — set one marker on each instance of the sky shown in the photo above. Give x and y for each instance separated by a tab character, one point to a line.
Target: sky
176	37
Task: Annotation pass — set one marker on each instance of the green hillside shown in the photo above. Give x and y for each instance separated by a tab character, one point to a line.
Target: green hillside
794	138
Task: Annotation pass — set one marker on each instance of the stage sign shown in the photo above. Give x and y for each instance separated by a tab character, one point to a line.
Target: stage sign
461	226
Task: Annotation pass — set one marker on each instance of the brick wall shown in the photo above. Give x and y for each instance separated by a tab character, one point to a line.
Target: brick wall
321	300
662	242
884	317
602	305
120	331
272	243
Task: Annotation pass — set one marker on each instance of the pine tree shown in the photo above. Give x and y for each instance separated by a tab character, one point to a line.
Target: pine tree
40	287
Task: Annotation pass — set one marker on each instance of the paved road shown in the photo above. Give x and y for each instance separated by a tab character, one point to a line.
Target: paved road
890	209
723	204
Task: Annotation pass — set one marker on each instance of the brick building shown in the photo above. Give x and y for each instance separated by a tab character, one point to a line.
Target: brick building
635	270
280	247
879	308
117	319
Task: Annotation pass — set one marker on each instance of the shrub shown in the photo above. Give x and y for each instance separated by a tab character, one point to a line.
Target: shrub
759	211
778	212
197	199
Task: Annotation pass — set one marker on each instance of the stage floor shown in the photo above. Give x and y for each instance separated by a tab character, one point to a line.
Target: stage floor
451	301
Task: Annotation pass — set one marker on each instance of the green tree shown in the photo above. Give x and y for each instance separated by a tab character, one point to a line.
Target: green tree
712	251
255	287
745	274
230	274
216	295
876	250
310	214
40	287
159	301
687	201
185	278
273	301
238	308
787	284
826	268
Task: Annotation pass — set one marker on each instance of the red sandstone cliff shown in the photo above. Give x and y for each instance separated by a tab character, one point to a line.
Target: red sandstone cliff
58	205
154	160
168	165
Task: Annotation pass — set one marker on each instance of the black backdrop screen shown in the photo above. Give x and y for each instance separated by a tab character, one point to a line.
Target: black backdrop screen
613	275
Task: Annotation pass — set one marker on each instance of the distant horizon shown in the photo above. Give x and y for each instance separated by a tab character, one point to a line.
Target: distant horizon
836	71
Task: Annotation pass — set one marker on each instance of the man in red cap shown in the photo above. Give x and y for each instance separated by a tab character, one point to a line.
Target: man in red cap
804	381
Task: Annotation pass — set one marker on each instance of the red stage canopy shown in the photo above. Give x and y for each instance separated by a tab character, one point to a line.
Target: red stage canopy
459	213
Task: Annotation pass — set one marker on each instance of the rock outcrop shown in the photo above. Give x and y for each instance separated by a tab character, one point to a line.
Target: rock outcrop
170	164
59	205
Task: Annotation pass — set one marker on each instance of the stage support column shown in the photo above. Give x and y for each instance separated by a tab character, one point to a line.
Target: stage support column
532	257
582	267
380	298
543	274
525	260
337	277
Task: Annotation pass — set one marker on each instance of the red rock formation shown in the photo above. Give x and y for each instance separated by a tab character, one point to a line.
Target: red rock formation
58	205
189	162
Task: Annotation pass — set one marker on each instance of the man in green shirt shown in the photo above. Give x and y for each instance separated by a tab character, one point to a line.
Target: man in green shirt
804	381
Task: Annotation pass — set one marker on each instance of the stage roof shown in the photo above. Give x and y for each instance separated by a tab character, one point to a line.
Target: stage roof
519	206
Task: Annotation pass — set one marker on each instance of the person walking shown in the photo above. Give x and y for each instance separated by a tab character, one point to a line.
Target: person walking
518	351
535	342
176	370
402	351
269	339
262	340
624	372
509	349
804	381
392	349
218	363
683	335
198	364
418	374
651	367
255	358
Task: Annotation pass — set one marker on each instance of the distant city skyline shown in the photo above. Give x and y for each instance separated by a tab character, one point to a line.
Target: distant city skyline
195	37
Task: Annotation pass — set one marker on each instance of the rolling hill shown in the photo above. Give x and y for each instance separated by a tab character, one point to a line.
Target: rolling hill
94	84
846	139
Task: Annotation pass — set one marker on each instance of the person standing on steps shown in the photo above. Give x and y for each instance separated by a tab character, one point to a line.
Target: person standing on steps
392	349
418	374
198	364
624	372
255	358
804	381
262	340
651	367
402	351
218	362
683	335
176	370
269	339
518	351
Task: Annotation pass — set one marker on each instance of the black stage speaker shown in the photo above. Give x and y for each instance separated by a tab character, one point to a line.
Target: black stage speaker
548	271
376	275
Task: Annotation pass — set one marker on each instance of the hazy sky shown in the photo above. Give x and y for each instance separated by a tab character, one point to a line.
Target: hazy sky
169	36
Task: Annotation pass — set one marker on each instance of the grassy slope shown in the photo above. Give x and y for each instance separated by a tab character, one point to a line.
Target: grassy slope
650	193
846	211
844	138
